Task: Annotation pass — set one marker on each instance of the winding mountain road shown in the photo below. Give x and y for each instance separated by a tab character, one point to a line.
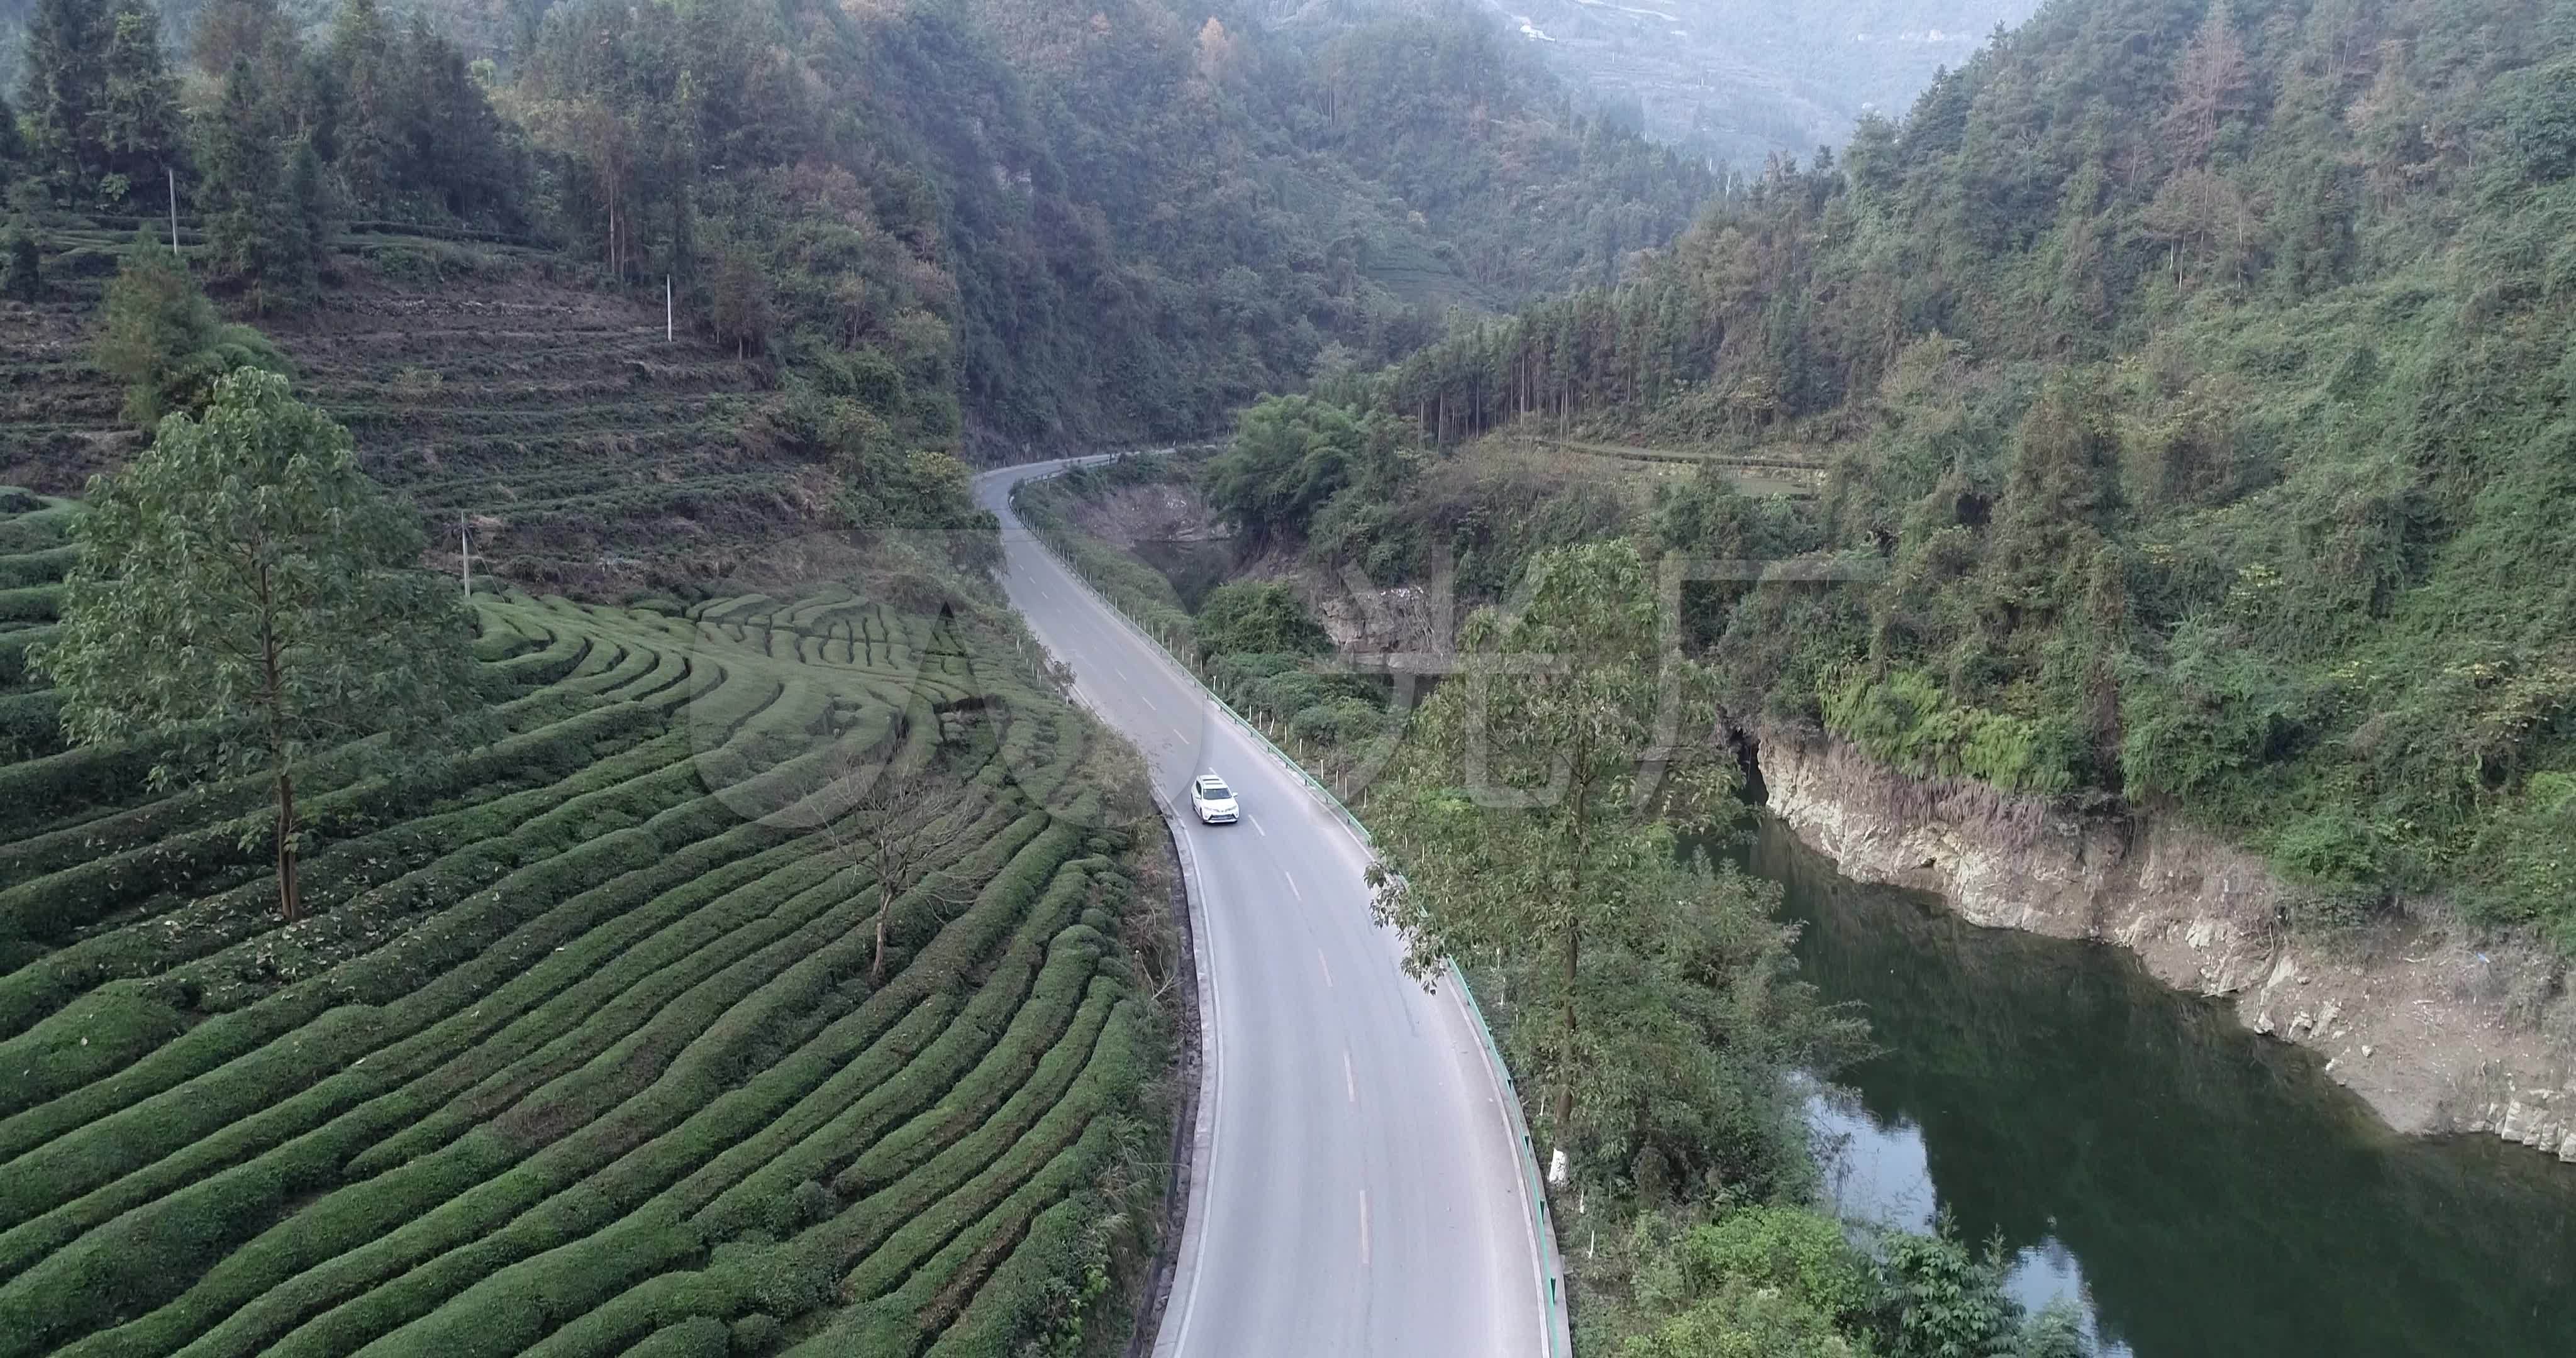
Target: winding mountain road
1357	1186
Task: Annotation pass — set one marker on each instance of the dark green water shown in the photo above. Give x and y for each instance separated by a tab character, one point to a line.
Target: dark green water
2201	1191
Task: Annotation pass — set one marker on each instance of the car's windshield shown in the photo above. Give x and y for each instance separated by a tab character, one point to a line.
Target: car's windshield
1213	789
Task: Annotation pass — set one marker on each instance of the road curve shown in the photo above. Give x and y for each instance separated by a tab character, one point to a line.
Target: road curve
1357	1187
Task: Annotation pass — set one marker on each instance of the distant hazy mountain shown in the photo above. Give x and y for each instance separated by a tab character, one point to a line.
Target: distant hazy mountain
1741	78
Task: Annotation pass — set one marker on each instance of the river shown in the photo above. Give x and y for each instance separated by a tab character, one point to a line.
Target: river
2199	1191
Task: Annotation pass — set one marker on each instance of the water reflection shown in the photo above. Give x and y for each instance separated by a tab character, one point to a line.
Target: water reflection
2200	1191
1881	1175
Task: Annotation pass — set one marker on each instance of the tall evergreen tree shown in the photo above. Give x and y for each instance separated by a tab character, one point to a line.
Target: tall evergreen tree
308	209
262	204
230	31
21	265
138	121
66	86
13	147
369	130
453	151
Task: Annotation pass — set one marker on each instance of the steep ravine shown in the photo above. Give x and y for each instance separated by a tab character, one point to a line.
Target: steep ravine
2438	1030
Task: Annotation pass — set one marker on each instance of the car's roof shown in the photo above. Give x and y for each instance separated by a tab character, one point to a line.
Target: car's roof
1210	780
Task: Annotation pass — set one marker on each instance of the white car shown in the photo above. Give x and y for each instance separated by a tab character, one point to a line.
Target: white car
1213	800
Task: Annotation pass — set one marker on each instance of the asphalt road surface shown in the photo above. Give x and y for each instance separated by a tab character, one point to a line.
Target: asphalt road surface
1357	1186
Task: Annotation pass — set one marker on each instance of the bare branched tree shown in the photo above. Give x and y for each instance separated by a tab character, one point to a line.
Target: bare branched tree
901	818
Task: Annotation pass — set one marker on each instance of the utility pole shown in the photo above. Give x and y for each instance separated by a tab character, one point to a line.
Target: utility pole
667	333
465	554
173	176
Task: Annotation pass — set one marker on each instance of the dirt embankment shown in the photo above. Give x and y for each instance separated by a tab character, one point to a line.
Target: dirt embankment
2441	1028
1148	515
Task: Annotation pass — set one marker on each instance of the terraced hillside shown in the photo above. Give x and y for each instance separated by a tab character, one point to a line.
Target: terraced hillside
585	448
1767	473
590	455
577	1051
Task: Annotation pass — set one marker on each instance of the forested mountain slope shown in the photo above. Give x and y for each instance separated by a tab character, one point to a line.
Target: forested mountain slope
2198	376
1047	223
1152	216
1748	80
1734	80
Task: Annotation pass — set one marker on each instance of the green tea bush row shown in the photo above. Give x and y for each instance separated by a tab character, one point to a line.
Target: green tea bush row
604	653
965	1270
61	789
541	1252
40	531
31	723
669	676
702	1337
737	605
545	666
55	905
973	1175
1073	1083
896	1324
744	1170
452	1190
633	664
550	730
430	864
596	1263
1044	750
13	653
495	646
1035	1029
149	822
627	1002
998	1317
33	603
754	1275
256	1094
753	1203
106	1031
506	1308
338	1247
745	1183
149	1254
632	864
546	1037
813	1284
37	568
715	1292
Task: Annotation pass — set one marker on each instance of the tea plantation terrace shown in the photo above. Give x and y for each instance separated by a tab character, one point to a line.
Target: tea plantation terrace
573	1054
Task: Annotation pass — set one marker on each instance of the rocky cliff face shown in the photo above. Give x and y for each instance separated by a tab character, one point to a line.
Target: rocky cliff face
2440	1029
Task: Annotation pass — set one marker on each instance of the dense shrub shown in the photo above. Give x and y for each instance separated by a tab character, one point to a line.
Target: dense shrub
1906	720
